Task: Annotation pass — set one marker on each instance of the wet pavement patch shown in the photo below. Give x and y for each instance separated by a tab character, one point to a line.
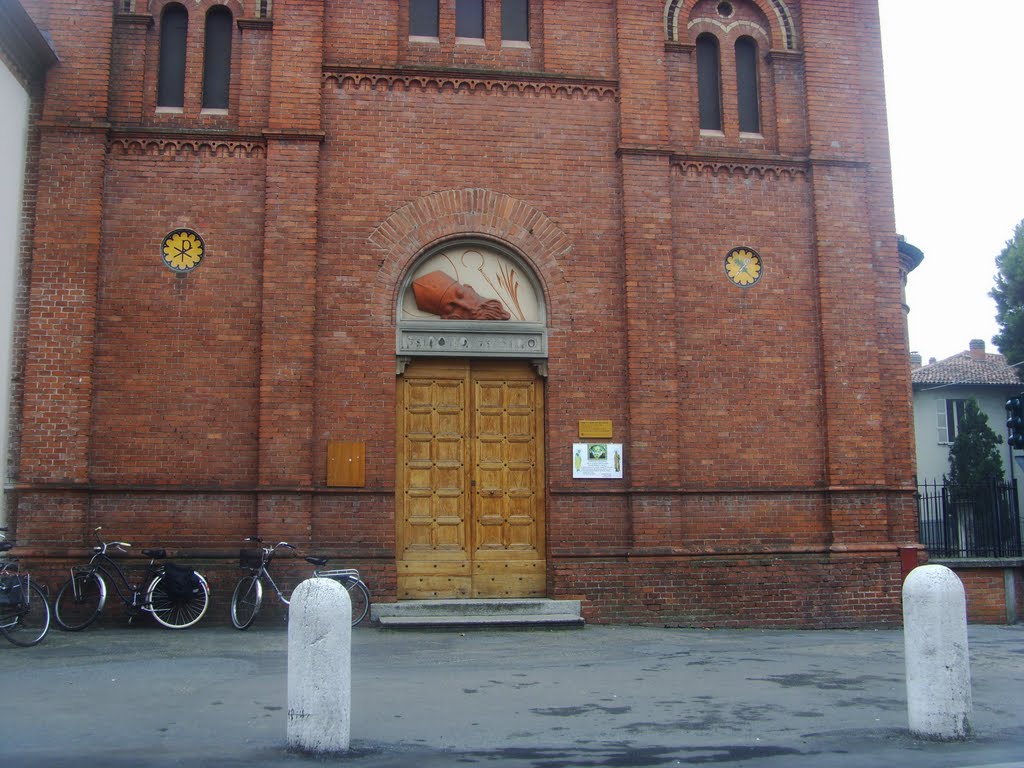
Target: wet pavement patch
580	710
626	757
824	681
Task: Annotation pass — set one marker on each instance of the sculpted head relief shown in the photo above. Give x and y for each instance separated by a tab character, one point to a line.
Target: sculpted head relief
440	294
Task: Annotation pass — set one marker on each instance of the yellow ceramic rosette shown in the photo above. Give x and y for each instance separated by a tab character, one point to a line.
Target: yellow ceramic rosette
183	250
743	266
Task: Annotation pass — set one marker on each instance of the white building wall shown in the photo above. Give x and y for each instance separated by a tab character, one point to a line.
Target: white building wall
14	120
933	456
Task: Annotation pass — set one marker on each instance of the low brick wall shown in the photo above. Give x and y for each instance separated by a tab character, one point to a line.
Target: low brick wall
995	588
795	591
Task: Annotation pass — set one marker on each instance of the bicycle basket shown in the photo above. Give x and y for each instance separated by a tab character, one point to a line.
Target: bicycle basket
250	558
13	590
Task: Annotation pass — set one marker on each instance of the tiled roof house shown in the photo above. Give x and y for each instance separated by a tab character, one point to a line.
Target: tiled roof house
941	388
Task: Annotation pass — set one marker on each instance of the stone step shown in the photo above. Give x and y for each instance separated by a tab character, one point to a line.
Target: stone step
454	614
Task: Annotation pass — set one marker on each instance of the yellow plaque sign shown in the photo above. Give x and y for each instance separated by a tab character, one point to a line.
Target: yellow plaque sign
596	428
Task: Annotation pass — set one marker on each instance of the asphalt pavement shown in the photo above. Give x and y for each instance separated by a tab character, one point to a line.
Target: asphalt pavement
611	696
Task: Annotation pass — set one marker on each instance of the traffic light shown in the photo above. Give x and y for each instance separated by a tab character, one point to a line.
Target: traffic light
1015	421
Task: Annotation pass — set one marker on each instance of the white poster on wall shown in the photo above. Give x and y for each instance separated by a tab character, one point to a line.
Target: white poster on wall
593	461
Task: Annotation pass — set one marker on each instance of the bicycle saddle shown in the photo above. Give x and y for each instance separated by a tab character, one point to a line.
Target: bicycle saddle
156	554
5	545
317	560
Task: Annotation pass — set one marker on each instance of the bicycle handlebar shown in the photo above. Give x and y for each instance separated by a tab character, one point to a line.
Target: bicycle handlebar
123	546
270	550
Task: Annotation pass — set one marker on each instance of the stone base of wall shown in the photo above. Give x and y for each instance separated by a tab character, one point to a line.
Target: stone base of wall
809	591
770	591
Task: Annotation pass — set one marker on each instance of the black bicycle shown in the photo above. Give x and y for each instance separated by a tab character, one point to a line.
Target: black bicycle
24	608
248	595
177	597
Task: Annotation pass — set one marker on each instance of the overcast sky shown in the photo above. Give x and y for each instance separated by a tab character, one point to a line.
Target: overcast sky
955	94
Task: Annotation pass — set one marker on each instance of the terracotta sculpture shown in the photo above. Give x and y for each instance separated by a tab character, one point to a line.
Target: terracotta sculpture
441	295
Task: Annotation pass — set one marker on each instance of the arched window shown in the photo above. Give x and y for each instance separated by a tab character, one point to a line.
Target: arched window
217	58
709	91
748	105
173	33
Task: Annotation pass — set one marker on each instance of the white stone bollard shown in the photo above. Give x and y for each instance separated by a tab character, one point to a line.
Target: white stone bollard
320	667
937	662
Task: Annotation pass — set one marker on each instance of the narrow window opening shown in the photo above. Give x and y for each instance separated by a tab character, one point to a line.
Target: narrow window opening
515	20
949	414
423	18
171	79
217	59
748	104
469	18
709	91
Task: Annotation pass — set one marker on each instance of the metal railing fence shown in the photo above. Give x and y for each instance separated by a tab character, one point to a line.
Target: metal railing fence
976	521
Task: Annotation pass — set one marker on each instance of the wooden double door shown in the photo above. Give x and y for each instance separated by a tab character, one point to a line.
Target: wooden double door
470	518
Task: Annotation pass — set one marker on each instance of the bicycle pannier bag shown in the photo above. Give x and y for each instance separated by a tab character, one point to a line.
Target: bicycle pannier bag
13	590
179	582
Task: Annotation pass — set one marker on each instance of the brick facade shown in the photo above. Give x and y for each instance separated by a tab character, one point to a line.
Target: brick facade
767	429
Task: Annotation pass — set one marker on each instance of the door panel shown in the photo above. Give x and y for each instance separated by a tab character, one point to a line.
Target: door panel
471	513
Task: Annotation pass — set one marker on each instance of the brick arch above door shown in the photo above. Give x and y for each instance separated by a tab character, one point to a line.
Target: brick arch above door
460	213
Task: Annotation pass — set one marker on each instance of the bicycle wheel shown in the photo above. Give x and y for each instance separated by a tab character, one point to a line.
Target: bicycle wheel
177	613
360	600
28	624
246	601
80	601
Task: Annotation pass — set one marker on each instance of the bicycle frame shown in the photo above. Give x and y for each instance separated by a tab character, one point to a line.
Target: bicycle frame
10	568
114	575
248	594
24	622
341	575
263	573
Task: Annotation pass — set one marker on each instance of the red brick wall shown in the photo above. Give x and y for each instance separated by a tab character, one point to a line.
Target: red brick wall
804	591
985	589
428	140
767	429
744	353
175	375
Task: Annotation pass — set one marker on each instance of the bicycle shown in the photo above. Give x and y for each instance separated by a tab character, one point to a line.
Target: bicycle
175	596
248	595
24	607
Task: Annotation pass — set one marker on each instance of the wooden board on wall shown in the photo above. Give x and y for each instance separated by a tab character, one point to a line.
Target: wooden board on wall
346	464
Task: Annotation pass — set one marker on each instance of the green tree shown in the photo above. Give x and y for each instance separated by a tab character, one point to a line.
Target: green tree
1009	295
974	456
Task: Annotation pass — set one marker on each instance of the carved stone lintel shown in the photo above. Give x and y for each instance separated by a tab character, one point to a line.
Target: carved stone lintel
463	340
